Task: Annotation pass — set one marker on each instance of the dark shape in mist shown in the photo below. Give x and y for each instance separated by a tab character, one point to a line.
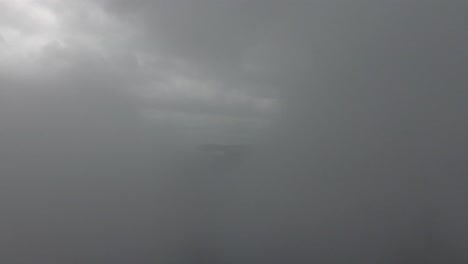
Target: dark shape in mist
226	150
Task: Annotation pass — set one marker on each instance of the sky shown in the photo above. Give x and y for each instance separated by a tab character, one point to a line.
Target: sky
355	111
187	85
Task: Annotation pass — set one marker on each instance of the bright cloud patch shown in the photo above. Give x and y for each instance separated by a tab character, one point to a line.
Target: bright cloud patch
26	30
48	39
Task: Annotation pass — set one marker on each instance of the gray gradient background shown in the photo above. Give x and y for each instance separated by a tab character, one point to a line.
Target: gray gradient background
355	111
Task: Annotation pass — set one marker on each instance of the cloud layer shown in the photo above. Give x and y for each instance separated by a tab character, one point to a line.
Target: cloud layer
357	110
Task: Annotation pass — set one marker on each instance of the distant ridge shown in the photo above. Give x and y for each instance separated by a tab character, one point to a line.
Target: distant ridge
226	149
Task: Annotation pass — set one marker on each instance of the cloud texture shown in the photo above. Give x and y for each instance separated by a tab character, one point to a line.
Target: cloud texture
356	110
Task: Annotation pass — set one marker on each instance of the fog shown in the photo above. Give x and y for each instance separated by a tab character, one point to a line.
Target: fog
239	131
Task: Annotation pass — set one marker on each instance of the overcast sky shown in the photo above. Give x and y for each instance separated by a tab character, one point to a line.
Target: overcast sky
187	64
357	110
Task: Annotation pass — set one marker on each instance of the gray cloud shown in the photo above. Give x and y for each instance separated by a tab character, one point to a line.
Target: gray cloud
356	110
372	124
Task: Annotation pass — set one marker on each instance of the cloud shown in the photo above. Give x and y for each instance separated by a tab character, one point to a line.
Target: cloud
362	158
66	32
370	94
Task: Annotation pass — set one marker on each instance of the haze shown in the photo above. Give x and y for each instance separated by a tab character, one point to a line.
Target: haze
216	131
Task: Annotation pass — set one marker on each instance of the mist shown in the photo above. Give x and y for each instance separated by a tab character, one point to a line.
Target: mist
233	132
